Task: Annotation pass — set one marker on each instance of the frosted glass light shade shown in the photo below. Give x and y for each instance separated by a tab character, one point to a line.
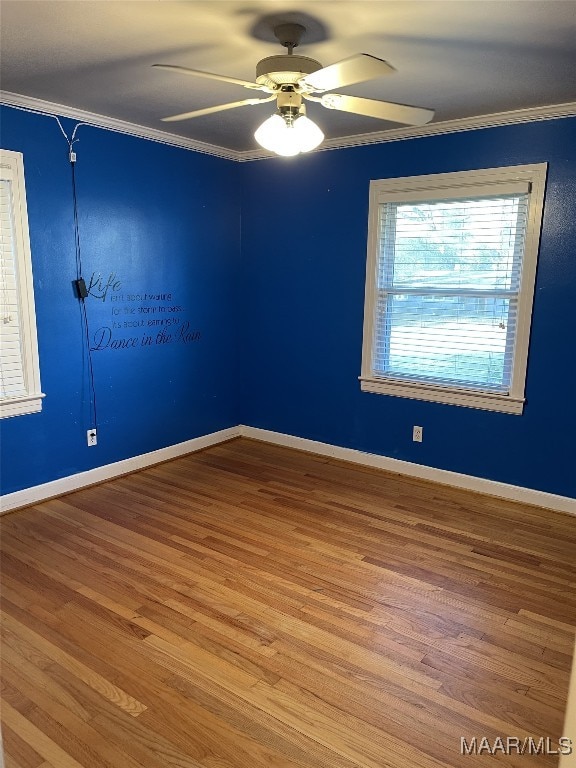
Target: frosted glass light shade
276	136
281	138
309	135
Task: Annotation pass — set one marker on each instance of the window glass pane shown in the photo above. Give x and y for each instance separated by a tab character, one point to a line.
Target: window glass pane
469	244
465	340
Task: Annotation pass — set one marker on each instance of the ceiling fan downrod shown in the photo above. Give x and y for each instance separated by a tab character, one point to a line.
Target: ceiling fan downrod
289	35
289	78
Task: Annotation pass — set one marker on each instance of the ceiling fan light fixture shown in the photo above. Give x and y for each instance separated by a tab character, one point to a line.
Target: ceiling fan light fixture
275	135
289	79
288	136
309	134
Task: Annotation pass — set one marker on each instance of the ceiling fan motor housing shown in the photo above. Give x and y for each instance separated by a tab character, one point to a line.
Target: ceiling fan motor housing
284	69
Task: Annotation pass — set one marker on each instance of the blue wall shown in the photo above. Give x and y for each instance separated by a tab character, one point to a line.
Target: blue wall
279	308
166	223
304	227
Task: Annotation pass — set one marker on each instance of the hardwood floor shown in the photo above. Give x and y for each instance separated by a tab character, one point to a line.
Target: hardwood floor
251	606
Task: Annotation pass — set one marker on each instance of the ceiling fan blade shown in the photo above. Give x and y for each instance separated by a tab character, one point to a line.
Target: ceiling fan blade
383	110
209	75
211	110
356	69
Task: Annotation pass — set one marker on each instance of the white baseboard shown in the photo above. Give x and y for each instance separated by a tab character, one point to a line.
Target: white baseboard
443	476
64	485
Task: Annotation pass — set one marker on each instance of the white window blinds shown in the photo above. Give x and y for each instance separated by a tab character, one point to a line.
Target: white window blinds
19	372
448	283
451	267
12	379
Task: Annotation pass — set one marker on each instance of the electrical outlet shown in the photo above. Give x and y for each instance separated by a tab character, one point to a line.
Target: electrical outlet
417	434
91	437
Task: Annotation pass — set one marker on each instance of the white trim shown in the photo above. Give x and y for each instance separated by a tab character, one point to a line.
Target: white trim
64	485
460	184
442	476
495	120
30	401
20	406
513	117
50	109
446	395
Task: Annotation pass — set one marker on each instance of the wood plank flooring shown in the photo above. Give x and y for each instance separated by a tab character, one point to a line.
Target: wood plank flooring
251	606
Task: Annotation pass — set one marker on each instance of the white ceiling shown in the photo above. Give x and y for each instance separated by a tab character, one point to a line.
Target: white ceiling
461	57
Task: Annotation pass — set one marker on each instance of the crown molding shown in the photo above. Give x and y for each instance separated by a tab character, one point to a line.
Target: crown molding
51	109
497	119
514	117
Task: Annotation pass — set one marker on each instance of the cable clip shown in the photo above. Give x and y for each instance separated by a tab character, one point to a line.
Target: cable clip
81	289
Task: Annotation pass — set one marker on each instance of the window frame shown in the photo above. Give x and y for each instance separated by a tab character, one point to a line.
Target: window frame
437	187
12	168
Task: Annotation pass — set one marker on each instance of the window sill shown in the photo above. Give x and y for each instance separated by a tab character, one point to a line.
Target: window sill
466	398
20	406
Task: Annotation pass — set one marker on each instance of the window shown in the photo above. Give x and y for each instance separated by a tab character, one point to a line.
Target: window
449	286
19	371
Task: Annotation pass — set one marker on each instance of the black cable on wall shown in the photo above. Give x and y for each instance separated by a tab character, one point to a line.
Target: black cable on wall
80	284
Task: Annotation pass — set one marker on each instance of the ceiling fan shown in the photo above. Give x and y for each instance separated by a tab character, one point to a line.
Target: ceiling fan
290	79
